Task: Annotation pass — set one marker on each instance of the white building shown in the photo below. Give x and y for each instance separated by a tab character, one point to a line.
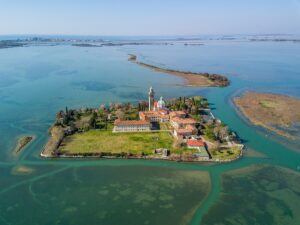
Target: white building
131	125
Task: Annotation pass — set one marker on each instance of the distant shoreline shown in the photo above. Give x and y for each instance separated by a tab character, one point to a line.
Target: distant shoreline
191	78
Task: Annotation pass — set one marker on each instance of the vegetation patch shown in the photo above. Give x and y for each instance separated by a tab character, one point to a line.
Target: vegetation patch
23	142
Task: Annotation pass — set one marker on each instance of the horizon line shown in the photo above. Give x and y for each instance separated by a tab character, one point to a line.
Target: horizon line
154	35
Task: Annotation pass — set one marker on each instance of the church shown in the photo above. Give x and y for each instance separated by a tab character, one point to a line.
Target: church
158	113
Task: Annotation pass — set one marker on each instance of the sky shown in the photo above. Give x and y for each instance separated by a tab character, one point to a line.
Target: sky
151	17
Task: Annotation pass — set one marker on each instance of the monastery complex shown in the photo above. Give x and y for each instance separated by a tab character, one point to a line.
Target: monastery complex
182	125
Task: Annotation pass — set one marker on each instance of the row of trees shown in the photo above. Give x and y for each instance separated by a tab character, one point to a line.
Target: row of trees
218	132
191	105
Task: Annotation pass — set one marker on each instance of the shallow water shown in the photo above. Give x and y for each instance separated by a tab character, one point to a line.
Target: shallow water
81	195
257	195
36	82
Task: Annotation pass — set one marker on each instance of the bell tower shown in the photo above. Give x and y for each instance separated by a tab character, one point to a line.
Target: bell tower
151	98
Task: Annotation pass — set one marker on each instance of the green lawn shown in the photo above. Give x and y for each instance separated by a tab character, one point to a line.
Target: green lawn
226	154
95	141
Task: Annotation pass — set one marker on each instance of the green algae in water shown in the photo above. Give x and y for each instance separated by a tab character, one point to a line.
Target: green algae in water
107	195
265	195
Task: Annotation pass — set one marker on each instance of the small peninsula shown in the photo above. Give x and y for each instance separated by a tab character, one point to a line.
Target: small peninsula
190	78
278	113
179	129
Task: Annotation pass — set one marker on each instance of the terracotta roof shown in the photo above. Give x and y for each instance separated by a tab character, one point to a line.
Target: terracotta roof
153	114
164	111
195	143
184	131
149	113
177	113
119	122
184	121
191	127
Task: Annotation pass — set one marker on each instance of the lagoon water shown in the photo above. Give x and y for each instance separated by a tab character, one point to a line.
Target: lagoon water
37	81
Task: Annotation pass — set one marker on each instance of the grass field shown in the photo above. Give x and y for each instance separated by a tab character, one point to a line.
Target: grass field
95	141
226	154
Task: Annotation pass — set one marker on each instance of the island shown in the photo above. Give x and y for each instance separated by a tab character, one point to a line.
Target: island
86	45
23	142
118	44
275	40
111	44
178	129
10	44
193	44
277	113
190	78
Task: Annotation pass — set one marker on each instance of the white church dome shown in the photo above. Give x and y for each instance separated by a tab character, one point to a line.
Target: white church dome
161	103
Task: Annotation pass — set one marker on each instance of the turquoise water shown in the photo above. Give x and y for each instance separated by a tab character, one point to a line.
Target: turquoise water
36	82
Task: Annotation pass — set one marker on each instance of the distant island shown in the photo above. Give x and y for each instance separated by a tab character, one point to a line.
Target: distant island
11	44
191	78
86	45
76	42
278	113
179	129
193	44
110	44
275	40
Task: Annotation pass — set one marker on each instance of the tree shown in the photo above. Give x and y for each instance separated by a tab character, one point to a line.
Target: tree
194	110
223	132
120	114
93	120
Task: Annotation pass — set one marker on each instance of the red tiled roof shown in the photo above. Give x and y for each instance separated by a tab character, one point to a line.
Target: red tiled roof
163	111
195	143
184	121
177	113
183	131
191	127
150	114
119	122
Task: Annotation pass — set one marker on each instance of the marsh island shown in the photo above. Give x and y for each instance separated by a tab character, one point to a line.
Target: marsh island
278	113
